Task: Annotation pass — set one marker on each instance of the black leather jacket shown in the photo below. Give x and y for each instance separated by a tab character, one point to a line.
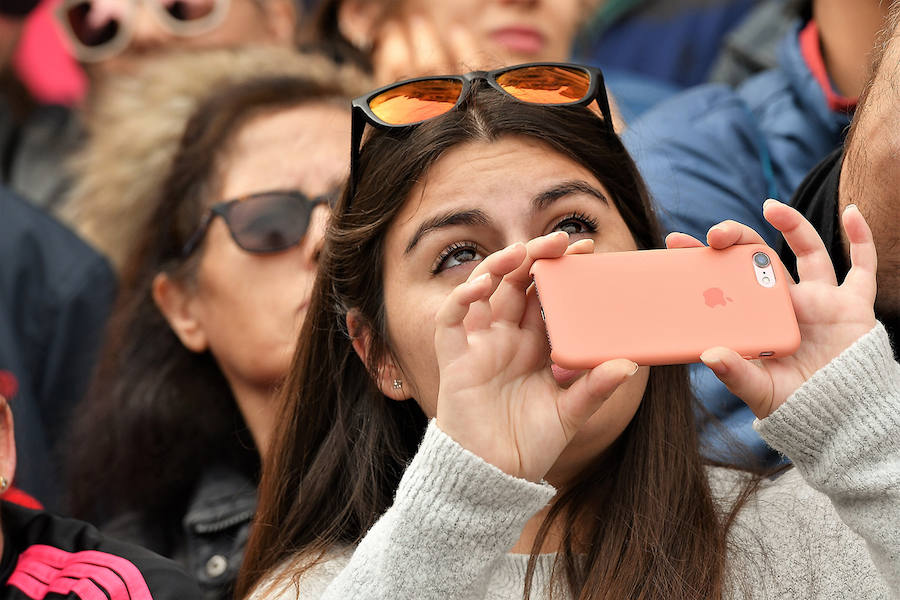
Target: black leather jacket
209	537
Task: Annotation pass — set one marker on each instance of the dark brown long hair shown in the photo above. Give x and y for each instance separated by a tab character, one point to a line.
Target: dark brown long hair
157	414
653	529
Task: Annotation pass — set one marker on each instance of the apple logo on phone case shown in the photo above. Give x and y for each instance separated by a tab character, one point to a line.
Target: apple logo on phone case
715	297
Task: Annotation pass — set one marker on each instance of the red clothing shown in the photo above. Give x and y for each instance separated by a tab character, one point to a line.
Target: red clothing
810	46
17	496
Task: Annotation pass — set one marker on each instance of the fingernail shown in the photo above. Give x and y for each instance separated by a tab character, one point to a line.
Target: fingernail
585	242
715	364
481	278
849	206
769	201
634	370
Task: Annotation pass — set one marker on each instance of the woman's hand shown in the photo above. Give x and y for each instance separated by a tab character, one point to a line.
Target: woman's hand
498	397
831	317
415	46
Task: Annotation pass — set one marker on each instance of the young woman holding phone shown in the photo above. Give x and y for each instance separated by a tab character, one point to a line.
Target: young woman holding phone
451	459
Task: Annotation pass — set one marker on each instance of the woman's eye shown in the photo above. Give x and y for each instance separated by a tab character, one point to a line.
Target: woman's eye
577	224
457	255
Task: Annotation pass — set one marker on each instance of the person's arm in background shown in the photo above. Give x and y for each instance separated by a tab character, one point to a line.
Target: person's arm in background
870	176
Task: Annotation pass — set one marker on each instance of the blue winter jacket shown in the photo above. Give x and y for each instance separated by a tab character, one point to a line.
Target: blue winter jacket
713	153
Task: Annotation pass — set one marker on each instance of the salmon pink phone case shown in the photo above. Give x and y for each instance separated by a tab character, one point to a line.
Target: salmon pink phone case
659	307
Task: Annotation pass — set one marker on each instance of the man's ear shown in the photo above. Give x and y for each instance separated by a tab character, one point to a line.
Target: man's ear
357	20
281	20
177	306
7	444
389	378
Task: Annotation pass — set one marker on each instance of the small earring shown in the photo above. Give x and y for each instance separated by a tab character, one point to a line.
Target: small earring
397	384
4	484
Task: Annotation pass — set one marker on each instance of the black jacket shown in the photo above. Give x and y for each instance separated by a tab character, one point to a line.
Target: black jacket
817	200
55	296
45	556
209	534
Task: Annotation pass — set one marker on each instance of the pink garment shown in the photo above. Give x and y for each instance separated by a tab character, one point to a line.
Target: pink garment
44	64
92	575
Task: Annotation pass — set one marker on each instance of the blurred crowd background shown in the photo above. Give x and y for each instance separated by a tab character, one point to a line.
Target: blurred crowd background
123	347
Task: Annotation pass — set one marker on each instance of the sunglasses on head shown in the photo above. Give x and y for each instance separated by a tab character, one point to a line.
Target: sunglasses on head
264	222
415	101
100	29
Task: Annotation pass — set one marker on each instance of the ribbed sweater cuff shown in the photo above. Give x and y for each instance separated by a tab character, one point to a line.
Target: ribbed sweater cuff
464	500
851	405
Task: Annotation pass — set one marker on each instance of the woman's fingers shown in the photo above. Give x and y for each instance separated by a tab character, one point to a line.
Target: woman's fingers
813	262
467	307
427	50
532	319
508	303
499	265
743	378
863	258
450	336
585	246
732	233
391	55
577	404
676	239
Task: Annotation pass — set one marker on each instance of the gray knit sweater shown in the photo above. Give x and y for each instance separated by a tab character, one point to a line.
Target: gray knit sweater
830	528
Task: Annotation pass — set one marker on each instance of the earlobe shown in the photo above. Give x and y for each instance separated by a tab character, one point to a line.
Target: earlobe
389	377
177	307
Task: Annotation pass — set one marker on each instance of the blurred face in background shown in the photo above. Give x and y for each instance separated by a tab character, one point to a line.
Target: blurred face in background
407	38
514	31
247	308
116	36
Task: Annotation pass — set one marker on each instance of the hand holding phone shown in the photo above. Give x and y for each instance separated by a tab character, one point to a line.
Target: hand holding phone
831	316
658	307
491	350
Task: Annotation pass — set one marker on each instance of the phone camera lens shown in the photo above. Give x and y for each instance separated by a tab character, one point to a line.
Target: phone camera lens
761	259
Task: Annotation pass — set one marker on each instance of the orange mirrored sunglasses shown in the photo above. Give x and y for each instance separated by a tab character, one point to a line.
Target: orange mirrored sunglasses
414	101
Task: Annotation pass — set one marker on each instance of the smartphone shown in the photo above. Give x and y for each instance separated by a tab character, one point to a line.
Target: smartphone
658	307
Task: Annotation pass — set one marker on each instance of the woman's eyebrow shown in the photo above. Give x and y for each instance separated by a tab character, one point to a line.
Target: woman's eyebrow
574	186
448	219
